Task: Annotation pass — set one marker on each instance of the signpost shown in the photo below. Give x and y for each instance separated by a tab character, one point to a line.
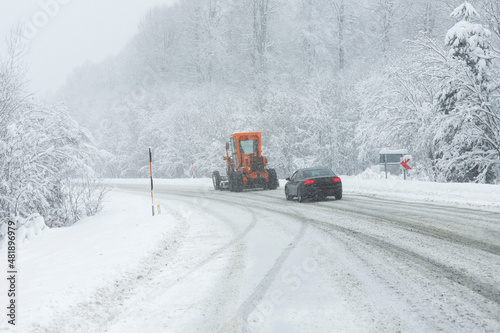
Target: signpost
391	159
151	175
404	163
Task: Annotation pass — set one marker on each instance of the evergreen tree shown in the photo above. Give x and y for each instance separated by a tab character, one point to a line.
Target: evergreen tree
468	130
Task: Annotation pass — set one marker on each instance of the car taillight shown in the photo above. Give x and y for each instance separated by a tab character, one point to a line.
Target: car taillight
309	181
336	179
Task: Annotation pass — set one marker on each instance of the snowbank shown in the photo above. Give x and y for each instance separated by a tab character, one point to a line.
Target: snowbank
462	194
63	266
27	229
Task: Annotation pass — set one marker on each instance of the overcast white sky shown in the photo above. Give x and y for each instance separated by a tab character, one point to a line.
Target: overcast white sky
67	33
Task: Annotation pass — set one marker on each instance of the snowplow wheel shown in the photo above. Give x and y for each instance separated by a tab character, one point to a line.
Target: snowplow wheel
231	181
237	181
216	180
273	179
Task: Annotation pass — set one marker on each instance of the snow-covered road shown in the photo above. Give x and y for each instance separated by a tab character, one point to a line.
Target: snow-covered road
254	262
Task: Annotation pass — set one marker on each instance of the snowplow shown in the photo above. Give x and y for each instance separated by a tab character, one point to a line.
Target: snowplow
245	165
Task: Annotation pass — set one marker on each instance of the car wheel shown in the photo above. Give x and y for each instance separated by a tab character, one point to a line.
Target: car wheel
338	196
300	198
288	197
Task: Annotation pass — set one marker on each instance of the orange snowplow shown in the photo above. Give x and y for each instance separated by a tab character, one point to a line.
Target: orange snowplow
245	165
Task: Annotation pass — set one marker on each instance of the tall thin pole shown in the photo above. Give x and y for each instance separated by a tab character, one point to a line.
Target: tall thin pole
151	175
385	165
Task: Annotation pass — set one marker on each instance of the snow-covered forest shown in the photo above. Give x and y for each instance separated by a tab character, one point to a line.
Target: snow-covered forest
41	149
327	82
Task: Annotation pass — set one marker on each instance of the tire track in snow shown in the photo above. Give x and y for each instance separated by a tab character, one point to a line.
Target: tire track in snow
274	205
487	290
222	249
414	225
240	320
402	222
488	215
441	297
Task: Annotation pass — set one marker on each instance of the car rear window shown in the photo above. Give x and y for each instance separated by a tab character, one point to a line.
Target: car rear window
318	173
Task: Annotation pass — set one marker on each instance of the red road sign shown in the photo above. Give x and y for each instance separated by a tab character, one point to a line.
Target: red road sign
405	165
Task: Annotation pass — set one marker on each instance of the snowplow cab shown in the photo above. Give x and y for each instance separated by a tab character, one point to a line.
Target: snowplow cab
245	165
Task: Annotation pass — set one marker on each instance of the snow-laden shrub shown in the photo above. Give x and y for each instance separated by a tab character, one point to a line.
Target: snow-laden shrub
26	228
29	228
76	199
41	149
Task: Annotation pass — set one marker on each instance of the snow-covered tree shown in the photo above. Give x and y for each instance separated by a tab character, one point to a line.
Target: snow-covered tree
468	135
397	105
490	10
41	149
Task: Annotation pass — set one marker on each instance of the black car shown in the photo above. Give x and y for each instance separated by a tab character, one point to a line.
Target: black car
315	183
